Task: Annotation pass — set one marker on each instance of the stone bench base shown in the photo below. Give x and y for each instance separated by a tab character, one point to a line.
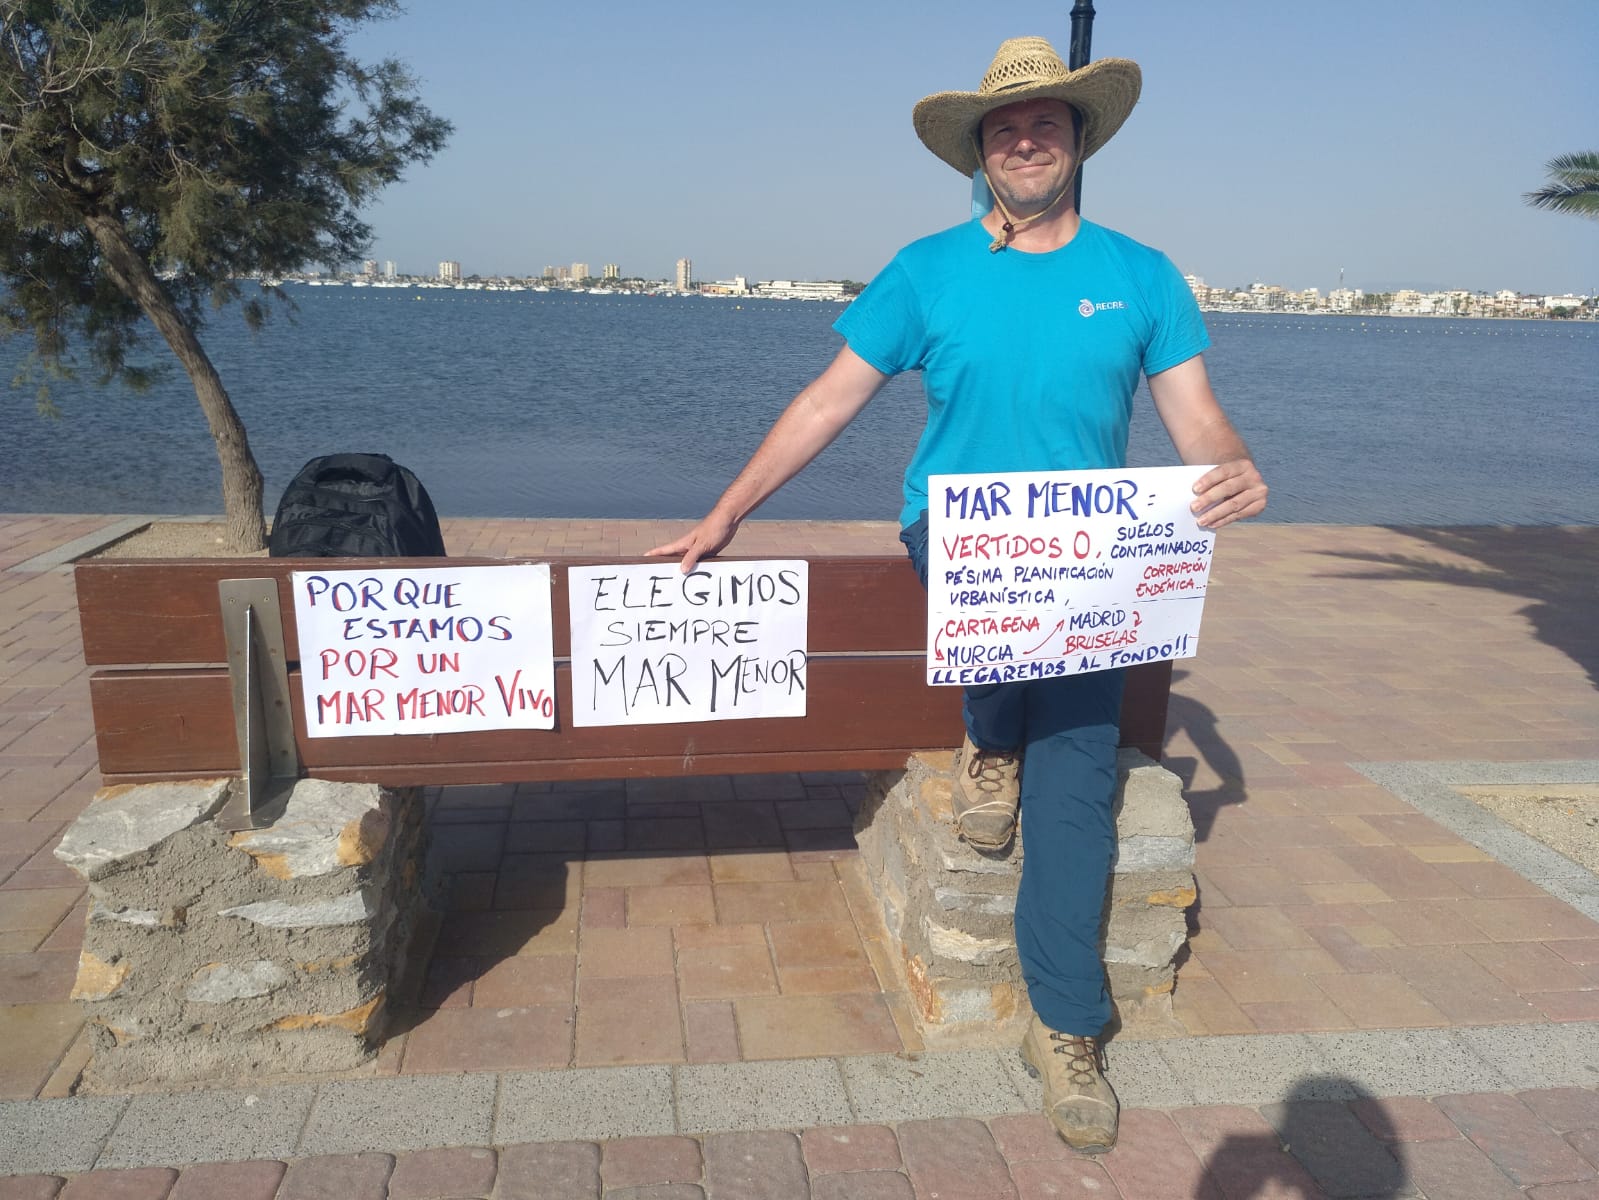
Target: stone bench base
210	955
949	909
273	951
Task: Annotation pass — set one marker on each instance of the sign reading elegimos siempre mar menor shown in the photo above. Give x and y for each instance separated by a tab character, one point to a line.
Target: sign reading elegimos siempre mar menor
1037	574
653	646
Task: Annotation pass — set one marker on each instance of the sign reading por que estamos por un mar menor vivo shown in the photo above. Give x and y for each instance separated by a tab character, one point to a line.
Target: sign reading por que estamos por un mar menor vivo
435	650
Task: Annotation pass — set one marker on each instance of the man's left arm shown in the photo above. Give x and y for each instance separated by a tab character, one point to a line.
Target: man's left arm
1202	433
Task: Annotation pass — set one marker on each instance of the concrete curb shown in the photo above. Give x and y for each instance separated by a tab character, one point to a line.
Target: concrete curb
69	552
1429	788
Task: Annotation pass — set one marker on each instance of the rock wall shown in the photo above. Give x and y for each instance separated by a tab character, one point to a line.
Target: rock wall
950	909
211	955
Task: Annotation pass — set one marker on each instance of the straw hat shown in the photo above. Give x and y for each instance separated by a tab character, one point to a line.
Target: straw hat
1028	68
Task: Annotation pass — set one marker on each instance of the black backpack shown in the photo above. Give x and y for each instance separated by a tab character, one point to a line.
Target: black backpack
355	506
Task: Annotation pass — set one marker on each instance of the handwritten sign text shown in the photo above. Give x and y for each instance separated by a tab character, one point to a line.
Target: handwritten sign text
1033	575
437	650
651	645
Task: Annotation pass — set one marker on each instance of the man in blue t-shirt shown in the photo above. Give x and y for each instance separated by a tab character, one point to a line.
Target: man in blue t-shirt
1031	328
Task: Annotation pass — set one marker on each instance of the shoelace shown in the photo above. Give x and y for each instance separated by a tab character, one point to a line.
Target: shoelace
985	768
1085	1061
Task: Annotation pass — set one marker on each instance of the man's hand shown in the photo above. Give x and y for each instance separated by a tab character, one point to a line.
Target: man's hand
706	540
1232	491
1201	433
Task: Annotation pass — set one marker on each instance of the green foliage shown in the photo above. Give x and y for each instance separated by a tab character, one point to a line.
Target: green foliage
226	138
1573	185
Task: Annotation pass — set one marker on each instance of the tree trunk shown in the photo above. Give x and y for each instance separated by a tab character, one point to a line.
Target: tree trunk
241	478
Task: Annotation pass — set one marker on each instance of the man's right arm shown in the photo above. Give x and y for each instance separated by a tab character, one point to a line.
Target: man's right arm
808	425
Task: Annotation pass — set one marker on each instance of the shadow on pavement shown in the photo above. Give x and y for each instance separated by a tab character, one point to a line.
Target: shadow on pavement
1186	715
1318	1146
506	872
1552	566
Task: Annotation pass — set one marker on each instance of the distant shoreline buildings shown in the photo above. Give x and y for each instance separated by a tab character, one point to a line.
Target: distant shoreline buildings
1403	302
1257	297
578	277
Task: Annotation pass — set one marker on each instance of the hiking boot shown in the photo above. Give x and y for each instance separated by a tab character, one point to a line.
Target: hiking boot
1078	1099
988	790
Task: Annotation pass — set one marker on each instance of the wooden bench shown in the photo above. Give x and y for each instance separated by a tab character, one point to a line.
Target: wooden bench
153	631
332	877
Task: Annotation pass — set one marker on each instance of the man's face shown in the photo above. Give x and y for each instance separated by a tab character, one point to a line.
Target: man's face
1029	153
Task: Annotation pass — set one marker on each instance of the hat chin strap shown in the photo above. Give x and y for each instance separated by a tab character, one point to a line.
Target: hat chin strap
1011	226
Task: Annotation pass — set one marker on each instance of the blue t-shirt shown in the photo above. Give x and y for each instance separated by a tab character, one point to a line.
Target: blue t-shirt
1029	361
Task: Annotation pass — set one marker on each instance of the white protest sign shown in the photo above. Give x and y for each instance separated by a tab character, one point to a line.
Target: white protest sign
1037	574
436	650
652	646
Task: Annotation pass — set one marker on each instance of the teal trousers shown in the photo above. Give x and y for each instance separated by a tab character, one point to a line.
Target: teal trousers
1066	730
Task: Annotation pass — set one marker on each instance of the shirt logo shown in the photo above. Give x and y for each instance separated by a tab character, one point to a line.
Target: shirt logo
1088	308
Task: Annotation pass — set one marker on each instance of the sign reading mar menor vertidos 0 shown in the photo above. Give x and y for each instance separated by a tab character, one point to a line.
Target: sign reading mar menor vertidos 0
652	645
435	650
1038	574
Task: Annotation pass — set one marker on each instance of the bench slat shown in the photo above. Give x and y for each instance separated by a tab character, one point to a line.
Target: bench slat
138	611
157	721
178	723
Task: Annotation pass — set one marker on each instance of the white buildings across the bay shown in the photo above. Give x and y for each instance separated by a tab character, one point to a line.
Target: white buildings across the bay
800	289
1402	302
1257	297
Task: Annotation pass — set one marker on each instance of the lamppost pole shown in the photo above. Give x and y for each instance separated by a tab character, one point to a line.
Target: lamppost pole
1082	40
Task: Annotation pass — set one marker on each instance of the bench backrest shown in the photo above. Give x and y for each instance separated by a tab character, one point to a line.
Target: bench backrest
163	709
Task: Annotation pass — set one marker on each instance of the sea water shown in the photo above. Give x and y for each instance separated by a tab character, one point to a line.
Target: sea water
529	404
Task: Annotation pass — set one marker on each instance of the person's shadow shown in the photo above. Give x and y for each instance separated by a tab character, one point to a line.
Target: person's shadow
1186	715
1329	1138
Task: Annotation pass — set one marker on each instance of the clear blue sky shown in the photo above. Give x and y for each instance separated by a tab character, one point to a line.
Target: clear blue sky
1275	141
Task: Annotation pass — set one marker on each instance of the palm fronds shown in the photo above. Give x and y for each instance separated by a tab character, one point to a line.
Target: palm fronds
1573	185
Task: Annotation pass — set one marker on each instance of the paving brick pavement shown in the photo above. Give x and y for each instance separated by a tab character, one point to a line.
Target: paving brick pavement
1351	903
1307	1150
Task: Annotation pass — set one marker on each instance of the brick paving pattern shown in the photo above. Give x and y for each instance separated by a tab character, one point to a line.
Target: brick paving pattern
1306	1151
724	919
